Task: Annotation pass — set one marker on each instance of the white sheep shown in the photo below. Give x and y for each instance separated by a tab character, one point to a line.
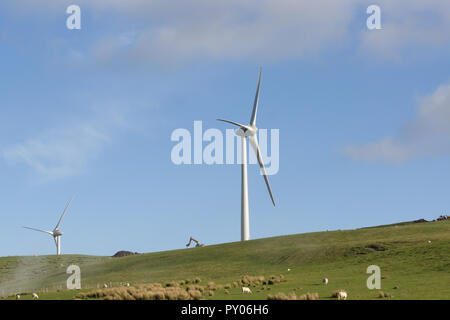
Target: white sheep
127	284
325	281
289	270
34	296
342	295
246	290
17	296
105	285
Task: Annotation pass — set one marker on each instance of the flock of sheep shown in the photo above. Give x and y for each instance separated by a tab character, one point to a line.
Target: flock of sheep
125	285
341	294
34	296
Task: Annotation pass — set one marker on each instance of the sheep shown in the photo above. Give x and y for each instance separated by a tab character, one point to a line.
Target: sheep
34	296
289	270
246	290
325	281
127	284
17	296
105	285
342	295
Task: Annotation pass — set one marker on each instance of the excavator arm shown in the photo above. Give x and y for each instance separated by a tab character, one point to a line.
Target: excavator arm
197	244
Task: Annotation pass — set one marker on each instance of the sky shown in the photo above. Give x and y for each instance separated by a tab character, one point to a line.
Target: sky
363	118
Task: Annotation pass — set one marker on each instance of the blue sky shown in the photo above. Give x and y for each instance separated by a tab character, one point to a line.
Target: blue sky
364	119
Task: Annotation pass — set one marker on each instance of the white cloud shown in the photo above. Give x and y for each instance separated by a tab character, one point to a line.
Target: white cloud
273	30
64	151
166	32
268	30
408	26
427	135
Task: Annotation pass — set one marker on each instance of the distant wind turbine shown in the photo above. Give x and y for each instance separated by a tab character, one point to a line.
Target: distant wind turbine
249	131
56	233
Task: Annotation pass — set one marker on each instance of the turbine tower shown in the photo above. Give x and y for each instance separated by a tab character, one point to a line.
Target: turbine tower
249	131
56	233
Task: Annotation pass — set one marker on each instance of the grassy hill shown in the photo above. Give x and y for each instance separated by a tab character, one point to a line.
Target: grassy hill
418	269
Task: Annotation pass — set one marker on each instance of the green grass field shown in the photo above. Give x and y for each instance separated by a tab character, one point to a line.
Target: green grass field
418	269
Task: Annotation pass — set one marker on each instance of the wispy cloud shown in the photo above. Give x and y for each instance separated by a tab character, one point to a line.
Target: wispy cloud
409	26
65	151
427	135
160	32
232	30
272	30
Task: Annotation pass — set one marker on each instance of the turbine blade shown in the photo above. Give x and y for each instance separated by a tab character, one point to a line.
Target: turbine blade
49	232
65	210
255	103
234	123
255	146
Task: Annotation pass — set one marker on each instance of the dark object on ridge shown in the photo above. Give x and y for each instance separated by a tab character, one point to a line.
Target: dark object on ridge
123	254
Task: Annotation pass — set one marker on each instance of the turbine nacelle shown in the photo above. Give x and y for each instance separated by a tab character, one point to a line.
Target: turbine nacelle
57	233
248	131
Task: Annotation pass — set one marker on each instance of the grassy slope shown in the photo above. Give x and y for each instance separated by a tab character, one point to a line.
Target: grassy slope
419	269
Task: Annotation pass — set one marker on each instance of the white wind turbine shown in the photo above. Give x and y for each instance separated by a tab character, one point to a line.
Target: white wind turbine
56	233
249	131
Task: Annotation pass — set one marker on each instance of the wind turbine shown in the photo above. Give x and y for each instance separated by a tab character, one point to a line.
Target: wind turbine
56	233
249	131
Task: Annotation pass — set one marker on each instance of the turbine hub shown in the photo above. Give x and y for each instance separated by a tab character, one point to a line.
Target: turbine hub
57	232
246	132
